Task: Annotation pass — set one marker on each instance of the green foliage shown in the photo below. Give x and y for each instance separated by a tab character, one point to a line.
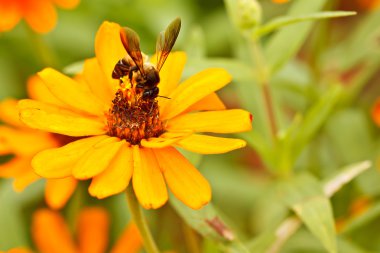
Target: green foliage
308	71
280	22
285	43
304	195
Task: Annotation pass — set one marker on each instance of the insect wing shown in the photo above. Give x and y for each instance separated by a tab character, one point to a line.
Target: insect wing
165	42
131	43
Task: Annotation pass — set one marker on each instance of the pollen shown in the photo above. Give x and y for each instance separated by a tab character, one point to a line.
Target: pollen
132	118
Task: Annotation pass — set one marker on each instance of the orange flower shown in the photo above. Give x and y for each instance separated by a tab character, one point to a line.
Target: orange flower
358	207
376	112
369	4
51	234
23	142
358	5
39	14
125	136
280	1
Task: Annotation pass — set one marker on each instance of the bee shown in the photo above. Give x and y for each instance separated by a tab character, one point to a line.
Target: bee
144	75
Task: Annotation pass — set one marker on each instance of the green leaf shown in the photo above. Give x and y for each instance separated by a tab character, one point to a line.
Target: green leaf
303	129
274	238
346	245
364	36
74	68
355	142
304	242
285	43
360	221
304	195
316	117
209	223
331	186
280	22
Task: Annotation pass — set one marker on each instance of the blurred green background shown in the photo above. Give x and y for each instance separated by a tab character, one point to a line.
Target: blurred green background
323	77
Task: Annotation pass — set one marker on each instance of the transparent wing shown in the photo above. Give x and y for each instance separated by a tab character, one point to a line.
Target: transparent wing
131	43
165	42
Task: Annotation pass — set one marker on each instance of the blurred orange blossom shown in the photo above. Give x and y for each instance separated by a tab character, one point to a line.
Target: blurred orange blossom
376	112
51	234
23	143
40	15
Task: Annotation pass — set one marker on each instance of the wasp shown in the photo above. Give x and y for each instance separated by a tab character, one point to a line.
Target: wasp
144	75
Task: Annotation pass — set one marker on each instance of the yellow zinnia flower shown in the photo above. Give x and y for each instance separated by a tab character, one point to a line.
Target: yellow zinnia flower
23	143
51	234
40	15
123	137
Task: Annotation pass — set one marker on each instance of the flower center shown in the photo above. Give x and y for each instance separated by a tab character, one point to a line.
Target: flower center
133	118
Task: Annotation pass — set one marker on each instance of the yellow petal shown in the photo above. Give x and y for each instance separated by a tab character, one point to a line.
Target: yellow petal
226	121
4	148
66	4
93	226
67	90
194	89
96	81
171	72
26	142
59	191
130	241
166	139
148	182
183	179
210	103
51	234
10	15
15	167
109	50
97	158
9	113
116	177
54	119
37	90
41	16
58	162
25	179
205	144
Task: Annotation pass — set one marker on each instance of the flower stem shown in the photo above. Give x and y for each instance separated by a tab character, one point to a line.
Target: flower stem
139	219
191	238
263	78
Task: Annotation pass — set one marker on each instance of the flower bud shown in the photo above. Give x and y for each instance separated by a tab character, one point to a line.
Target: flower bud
248	14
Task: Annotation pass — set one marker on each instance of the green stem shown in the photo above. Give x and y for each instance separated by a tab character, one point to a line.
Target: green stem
139	219
263	78
191	238
42	50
